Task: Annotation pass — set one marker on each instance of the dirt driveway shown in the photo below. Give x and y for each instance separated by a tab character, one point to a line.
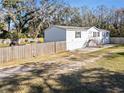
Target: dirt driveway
61	66
67	74
70	63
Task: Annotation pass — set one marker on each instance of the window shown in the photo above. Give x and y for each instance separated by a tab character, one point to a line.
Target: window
96	34
77	34
107	34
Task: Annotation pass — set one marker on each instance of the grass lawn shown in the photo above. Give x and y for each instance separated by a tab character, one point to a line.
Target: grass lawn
106	75
4	45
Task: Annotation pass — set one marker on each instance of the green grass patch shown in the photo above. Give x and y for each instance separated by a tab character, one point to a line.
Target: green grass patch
113	62
4	45
113	59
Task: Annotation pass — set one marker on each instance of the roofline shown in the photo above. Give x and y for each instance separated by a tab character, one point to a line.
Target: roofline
54	26
69	28
62	27
102	30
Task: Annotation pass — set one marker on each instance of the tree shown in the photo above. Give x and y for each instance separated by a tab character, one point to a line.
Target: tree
76	17
28	18
1	26
26	14
20	12
43	17
87	16
8	21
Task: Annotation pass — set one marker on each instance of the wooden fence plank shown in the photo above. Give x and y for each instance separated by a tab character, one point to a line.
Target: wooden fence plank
27	51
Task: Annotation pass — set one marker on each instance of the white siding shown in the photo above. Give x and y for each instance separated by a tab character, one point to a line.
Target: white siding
55	34
90	35
103	39
75	43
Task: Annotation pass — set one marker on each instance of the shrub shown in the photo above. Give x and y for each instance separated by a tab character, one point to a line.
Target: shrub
41	40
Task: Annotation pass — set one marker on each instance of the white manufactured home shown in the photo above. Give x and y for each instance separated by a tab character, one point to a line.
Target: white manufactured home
77	37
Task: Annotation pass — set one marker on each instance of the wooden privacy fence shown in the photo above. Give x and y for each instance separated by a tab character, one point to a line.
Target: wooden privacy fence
32	50
117	40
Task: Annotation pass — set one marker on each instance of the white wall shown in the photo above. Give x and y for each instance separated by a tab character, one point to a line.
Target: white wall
57	34
90	35
54	34
75	43
103	39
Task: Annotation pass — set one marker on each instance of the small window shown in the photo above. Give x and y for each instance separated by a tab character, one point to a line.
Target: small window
104	34
77	34
107	34
96	34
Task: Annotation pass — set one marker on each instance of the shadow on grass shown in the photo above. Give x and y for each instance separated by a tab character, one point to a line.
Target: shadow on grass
110	56
95	80
36	89
118	45
121	53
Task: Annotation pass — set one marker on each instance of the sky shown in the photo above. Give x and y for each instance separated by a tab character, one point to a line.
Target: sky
94	3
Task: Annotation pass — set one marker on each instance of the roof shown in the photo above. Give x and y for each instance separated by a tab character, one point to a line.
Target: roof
103	30
72	28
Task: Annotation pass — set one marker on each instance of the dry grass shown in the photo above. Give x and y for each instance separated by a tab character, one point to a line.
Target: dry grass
104	76
113	62
4	45
113	58
34	60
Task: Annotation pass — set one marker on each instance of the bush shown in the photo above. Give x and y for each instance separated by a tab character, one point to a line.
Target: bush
2	26
41	40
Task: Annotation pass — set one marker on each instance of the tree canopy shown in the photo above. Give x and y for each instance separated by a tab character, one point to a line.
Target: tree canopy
29	18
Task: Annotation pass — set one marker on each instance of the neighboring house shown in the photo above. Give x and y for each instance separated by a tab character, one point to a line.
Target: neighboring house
77	37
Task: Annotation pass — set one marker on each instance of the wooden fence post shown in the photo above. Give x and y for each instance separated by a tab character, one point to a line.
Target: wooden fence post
55	47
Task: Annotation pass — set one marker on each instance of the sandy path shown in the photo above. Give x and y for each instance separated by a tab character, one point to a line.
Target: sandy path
59	68
55	67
